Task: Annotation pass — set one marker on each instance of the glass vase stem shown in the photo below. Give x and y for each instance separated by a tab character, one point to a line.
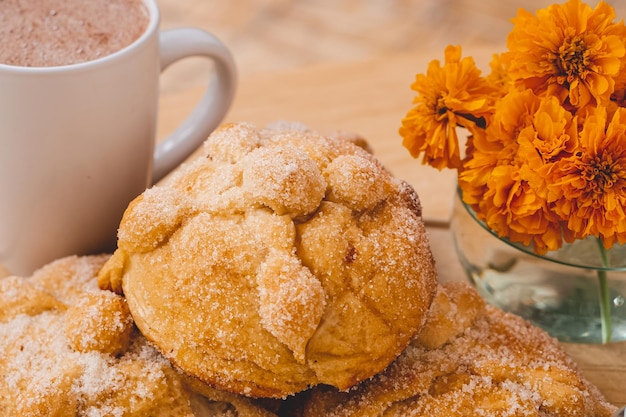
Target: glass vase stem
605	302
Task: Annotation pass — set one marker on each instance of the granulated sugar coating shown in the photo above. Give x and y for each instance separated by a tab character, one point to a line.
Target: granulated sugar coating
470	359
44	33
68	348
279	260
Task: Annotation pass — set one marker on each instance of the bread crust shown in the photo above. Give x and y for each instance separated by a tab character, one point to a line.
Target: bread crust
279	260
68	348
469	359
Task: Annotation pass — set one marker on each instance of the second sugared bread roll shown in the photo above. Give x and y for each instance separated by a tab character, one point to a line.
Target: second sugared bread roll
280	260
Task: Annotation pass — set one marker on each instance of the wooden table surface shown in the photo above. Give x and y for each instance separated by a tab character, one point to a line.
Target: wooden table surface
370	98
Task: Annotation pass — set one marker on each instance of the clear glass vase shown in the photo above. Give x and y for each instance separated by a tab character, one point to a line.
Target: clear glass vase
574	293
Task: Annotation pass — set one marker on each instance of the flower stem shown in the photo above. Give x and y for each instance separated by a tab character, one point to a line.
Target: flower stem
605	302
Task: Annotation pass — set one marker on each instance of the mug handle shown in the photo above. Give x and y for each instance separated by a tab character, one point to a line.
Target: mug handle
176	44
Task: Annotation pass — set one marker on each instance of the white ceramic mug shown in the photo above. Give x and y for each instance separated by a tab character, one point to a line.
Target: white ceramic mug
77	142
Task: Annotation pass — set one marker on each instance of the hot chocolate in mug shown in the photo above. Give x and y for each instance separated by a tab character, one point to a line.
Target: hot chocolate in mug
77	141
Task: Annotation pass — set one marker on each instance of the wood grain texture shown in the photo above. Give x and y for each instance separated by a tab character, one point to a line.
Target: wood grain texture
278	35
348	64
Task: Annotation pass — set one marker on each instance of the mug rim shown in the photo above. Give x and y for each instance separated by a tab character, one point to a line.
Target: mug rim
154	19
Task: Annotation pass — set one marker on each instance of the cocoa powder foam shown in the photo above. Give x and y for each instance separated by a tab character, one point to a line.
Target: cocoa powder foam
44	33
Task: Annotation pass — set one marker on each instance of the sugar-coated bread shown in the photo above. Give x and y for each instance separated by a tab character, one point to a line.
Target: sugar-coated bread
68	348
279	260
470	359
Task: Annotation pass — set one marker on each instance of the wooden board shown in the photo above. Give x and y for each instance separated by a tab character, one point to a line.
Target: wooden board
370	98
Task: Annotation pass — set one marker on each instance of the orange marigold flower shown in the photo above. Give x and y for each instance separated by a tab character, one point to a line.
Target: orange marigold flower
553	135
504	180
497	145
451	95
518	213
589	188
499	76
567	50
545	158
618	97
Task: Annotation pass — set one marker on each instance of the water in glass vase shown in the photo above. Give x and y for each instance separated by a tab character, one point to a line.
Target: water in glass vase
561	292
